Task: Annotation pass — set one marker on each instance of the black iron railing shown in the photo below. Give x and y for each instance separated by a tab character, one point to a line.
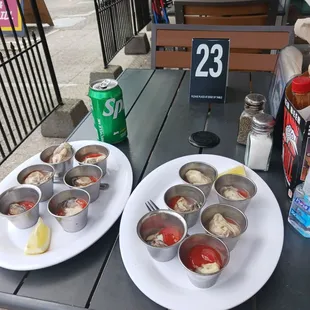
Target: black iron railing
115	26
28	87
142	13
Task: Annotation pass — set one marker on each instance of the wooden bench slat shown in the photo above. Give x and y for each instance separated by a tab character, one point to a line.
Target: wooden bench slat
226	21
250	46
237	50
248	40
237	61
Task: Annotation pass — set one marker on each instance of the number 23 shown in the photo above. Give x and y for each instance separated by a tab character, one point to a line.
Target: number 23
217	60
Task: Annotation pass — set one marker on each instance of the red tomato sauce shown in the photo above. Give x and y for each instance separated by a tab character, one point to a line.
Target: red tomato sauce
91	155
93	179
231	221
26	204
243	193
81	202
203	254
171	235
173	201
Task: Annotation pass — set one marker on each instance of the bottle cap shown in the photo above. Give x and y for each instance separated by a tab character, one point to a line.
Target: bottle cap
301	85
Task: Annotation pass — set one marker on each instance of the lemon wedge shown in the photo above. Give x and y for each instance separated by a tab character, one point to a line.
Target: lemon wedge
39	240
236	170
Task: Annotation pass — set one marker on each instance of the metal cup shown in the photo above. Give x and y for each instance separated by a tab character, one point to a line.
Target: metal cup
197	279
189	191
47	188
204	168
19	193
239	182
226	211
82	152
151	223
60	168
72	223
86	171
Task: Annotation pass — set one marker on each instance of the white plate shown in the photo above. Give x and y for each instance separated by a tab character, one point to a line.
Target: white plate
102	215
252	261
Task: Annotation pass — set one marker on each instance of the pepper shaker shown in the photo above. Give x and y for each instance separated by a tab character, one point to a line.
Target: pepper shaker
253	104
259	142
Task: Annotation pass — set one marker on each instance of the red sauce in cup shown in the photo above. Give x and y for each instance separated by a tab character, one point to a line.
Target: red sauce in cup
27	204
91	155
93	179
203	254
171	235
173	201
81	202
243	193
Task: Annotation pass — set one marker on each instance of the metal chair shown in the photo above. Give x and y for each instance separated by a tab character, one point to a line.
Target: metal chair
226	12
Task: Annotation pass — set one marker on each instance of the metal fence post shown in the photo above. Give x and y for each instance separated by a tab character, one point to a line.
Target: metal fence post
118	21
46	50
105	62
134	16
113	28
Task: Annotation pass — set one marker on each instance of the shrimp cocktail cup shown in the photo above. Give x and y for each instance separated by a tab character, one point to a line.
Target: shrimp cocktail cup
41	176
60	157
186	200
224	222
93	155
20	205
87	177
162	231
199	174
203	257
235	190
70	209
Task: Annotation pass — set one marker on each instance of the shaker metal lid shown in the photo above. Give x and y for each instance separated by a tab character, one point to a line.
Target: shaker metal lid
263	122
254	99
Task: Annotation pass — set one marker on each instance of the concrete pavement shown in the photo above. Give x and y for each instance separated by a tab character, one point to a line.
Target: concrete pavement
75	49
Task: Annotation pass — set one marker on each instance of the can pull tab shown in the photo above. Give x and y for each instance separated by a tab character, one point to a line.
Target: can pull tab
105	83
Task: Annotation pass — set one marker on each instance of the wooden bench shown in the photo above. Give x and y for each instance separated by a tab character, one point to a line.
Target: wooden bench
171	45
226	12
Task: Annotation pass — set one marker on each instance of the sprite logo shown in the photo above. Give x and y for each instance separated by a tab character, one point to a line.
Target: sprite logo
113	107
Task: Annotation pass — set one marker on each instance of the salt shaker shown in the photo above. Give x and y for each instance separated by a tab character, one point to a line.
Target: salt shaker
259	142
253	104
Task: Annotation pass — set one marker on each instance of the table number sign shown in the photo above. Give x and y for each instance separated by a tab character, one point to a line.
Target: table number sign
209	70
16	16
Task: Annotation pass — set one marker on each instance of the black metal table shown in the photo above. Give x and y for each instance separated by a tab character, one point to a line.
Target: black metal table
159	121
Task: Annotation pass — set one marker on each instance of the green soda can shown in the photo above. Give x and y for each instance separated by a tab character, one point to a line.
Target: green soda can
108	110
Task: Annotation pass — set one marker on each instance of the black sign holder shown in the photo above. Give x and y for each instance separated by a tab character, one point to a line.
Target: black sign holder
209	70
208	82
